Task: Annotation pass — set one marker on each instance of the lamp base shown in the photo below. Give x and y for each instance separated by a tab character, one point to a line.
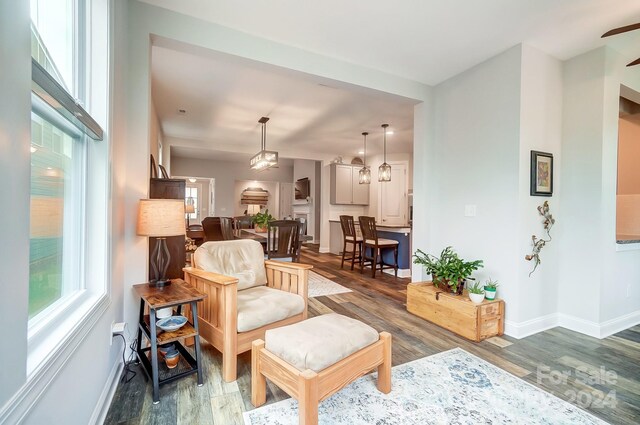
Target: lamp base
160	283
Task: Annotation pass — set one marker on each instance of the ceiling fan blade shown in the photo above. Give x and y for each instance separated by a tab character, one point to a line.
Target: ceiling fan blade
620	30
634	63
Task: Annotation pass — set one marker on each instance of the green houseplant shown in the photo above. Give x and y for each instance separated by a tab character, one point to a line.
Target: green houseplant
448	271
476	293
490	289
261	220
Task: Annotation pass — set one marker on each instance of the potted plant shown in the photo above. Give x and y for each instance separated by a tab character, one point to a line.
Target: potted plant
490	289
448	271
261	221
476	293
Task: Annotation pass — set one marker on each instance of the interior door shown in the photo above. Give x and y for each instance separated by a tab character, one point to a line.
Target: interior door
393	196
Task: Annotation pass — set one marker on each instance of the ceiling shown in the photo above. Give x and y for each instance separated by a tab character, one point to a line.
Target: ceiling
225	96
424	40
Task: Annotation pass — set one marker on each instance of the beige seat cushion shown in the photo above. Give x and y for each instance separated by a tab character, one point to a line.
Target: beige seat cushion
262	305
350	238
319	342
382	241
242	259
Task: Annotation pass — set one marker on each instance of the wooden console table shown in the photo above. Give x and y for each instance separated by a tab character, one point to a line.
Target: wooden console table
456	312
176	294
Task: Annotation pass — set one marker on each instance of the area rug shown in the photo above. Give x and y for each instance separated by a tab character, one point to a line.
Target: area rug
320	286
453	387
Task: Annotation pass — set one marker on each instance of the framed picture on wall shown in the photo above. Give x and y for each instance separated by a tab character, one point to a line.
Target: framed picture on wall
541	174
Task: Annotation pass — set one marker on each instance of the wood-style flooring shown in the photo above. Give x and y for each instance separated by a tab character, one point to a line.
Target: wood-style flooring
558	361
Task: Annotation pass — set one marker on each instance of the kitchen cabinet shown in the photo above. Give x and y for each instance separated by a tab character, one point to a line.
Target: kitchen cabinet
345	188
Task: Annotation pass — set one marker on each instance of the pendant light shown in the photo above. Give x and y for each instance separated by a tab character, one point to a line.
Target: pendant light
364	176
384	170
264	159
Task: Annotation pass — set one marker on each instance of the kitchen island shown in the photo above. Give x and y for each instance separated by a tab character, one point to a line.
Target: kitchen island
398	232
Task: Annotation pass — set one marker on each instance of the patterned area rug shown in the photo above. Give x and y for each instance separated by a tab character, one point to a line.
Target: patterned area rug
453	387
321	286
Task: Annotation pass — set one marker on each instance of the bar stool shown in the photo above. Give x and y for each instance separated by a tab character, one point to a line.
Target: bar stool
350	237
377	246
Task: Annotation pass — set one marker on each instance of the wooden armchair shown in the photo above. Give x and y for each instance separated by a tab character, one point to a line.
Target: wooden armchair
239	302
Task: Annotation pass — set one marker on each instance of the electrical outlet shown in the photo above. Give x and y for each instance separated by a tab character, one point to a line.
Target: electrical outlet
117	329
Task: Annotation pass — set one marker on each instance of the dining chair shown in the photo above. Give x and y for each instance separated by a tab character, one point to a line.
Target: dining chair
377	247
217	229
283	240
350	237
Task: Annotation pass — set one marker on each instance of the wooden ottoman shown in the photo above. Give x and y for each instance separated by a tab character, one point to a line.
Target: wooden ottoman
315	358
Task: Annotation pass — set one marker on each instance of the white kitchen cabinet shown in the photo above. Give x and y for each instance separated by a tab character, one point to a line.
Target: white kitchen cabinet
345	189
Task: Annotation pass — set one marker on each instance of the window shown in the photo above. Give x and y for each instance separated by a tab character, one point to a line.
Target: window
191	198
56	206
68	268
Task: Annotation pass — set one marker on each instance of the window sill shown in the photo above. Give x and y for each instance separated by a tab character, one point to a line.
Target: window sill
51	353
70	323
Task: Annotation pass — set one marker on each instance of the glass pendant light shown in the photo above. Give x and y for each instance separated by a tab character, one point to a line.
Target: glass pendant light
263	159
364	176
384	170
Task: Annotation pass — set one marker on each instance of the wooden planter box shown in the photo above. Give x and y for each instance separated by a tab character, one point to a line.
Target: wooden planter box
456	312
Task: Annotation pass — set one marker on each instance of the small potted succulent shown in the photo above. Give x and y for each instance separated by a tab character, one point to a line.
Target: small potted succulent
261	221
476	293
490	289
449	272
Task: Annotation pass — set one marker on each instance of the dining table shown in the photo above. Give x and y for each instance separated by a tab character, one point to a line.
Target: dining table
262	236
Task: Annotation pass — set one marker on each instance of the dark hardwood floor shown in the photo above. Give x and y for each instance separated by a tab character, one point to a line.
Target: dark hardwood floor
539	359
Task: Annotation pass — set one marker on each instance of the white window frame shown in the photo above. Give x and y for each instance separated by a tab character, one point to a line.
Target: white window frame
54	333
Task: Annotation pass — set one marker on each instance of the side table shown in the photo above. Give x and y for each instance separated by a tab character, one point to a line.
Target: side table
176	294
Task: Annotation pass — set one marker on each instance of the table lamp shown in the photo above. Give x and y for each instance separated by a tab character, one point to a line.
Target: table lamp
160	218
189	208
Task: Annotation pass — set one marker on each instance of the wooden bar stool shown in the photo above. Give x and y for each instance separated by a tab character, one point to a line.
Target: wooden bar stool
377	246
350	237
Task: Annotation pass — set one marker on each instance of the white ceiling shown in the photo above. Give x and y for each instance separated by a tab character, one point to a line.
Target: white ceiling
224	97
425	40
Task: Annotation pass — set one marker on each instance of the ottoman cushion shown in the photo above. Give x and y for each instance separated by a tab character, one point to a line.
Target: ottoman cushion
319	342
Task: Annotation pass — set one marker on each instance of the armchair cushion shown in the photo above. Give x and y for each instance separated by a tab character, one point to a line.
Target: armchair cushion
260	306
242	259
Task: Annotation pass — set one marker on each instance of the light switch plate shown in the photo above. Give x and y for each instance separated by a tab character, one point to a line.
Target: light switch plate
470	210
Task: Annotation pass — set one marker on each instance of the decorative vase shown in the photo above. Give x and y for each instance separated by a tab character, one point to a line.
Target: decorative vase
260	229
476	298
172	358
490	294
445	286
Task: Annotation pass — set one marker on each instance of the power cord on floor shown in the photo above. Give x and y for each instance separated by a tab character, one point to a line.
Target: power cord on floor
127	365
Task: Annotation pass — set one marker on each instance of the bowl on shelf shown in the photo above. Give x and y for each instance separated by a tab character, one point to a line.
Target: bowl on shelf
171	323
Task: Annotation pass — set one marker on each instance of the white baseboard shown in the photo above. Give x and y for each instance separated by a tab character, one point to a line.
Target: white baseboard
576	324
323	250
530	327
401	272
104	402
618	324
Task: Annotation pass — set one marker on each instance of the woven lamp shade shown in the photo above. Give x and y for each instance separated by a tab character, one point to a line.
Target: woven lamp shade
189	209
160	218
